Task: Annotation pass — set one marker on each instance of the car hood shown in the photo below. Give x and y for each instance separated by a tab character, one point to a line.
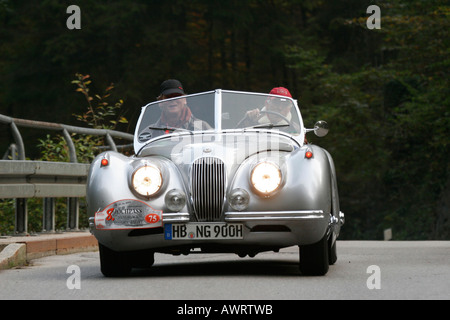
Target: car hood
231	148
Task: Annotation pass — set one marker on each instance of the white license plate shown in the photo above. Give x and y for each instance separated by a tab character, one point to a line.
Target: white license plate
203	231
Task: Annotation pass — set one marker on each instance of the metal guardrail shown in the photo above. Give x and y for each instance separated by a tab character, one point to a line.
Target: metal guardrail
21	179
48	180
65	129
41	179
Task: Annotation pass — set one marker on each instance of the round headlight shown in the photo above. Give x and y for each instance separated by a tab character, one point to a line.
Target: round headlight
266	177
147	180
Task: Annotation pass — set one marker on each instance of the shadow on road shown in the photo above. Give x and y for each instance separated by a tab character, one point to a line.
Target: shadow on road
245	267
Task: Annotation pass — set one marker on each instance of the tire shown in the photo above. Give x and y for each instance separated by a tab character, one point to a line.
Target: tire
314	260
112	263
332	253
141	259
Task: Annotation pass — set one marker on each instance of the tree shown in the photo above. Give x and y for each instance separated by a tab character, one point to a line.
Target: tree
384	92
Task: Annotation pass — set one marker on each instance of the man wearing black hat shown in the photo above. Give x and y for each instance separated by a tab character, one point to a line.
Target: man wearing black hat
175	112
170	89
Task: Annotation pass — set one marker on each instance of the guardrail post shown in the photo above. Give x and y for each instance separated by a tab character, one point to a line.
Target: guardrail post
14	153
71	146
73	207
21	227
21	218
48	218
10	152
19	141
110	142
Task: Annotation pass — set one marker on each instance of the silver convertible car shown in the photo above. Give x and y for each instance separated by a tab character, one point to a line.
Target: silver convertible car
239	178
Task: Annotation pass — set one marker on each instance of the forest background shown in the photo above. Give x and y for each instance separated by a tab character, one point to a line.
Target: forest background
384	92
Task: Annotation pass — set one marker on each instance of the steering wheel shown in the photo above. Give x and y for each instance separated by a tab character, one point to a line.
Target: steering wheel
289	122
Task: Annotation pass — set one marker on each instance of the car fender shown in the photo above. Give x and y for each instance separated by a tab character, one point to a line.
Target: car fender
305	185
337	215
310	178
107	184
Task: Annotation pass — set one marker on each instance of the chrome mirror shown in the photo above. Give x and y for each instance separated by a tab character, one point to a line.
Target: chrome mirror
321	128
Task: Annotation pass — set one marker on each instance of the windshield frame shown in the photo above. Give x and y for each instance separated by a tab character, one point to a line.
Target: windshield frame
217	125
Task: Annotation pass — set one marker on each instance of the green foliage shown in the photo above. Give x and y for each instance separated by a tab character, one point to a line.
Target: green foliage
101	116
98	117
55	149
35	215
384	92
7	215
390	125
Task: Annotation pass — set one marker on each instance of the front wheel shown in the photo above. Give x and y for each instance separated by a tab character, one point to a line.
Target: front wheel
314	260
113	263
119	264
332	253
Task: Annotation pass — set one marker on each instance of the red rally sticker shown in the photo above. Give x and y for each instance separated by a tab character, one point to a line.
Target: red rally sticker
128	214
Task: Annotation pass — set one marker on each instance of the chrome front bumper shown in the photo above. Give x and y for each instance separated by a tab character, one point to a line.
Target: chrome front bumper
305	227
184	217
274	215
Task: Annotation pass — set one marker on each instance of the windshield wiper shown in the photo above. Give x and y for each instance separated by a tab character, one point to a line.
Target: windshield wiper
171	129
268	126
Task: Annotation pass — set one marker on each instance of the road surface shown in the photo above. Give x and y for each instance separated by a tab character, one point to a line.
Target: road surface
364	270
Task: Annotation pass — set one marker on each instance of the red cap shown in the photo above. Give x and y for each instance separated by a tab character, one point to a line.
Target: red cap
281	92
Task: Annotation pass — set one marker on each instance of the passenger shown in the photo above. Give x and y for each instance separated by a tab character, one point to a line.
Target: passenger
272	111
275	105
275	111
175	113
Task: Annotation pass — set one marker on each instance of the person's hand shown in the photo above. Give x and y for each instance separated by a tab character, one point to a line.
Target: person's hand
253	115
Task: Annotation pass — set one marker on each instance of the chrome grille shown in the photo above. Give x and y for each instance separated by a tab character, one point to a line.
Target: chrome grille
208	188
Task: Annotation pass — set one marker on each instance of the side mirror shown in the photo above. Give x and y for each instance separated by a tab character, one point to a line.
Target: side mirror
321	128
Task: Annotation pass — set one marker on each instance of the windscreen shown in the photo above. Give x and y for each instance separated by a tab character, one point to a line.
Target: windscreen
217	111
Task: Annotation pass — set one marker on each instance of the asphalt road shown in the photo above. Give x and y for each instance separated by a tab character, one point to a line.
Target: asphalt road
364	270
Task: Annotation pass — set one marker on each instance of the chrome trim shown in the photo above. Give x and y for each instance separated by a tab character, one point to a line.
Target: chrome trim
218	115
341	218
208	179
337	221
176	217
92	222
333	220
274	215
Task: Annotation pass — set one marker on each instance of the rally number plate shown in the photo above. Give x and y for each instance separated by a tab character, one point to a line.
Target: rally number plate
203	231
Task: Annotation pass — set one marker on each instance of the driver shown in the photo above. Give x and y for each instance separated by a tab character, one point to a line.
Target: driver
175	113
273	104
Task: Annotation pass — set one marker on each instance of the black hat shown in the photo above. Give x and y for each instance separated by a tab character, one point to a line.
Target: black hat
171	86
